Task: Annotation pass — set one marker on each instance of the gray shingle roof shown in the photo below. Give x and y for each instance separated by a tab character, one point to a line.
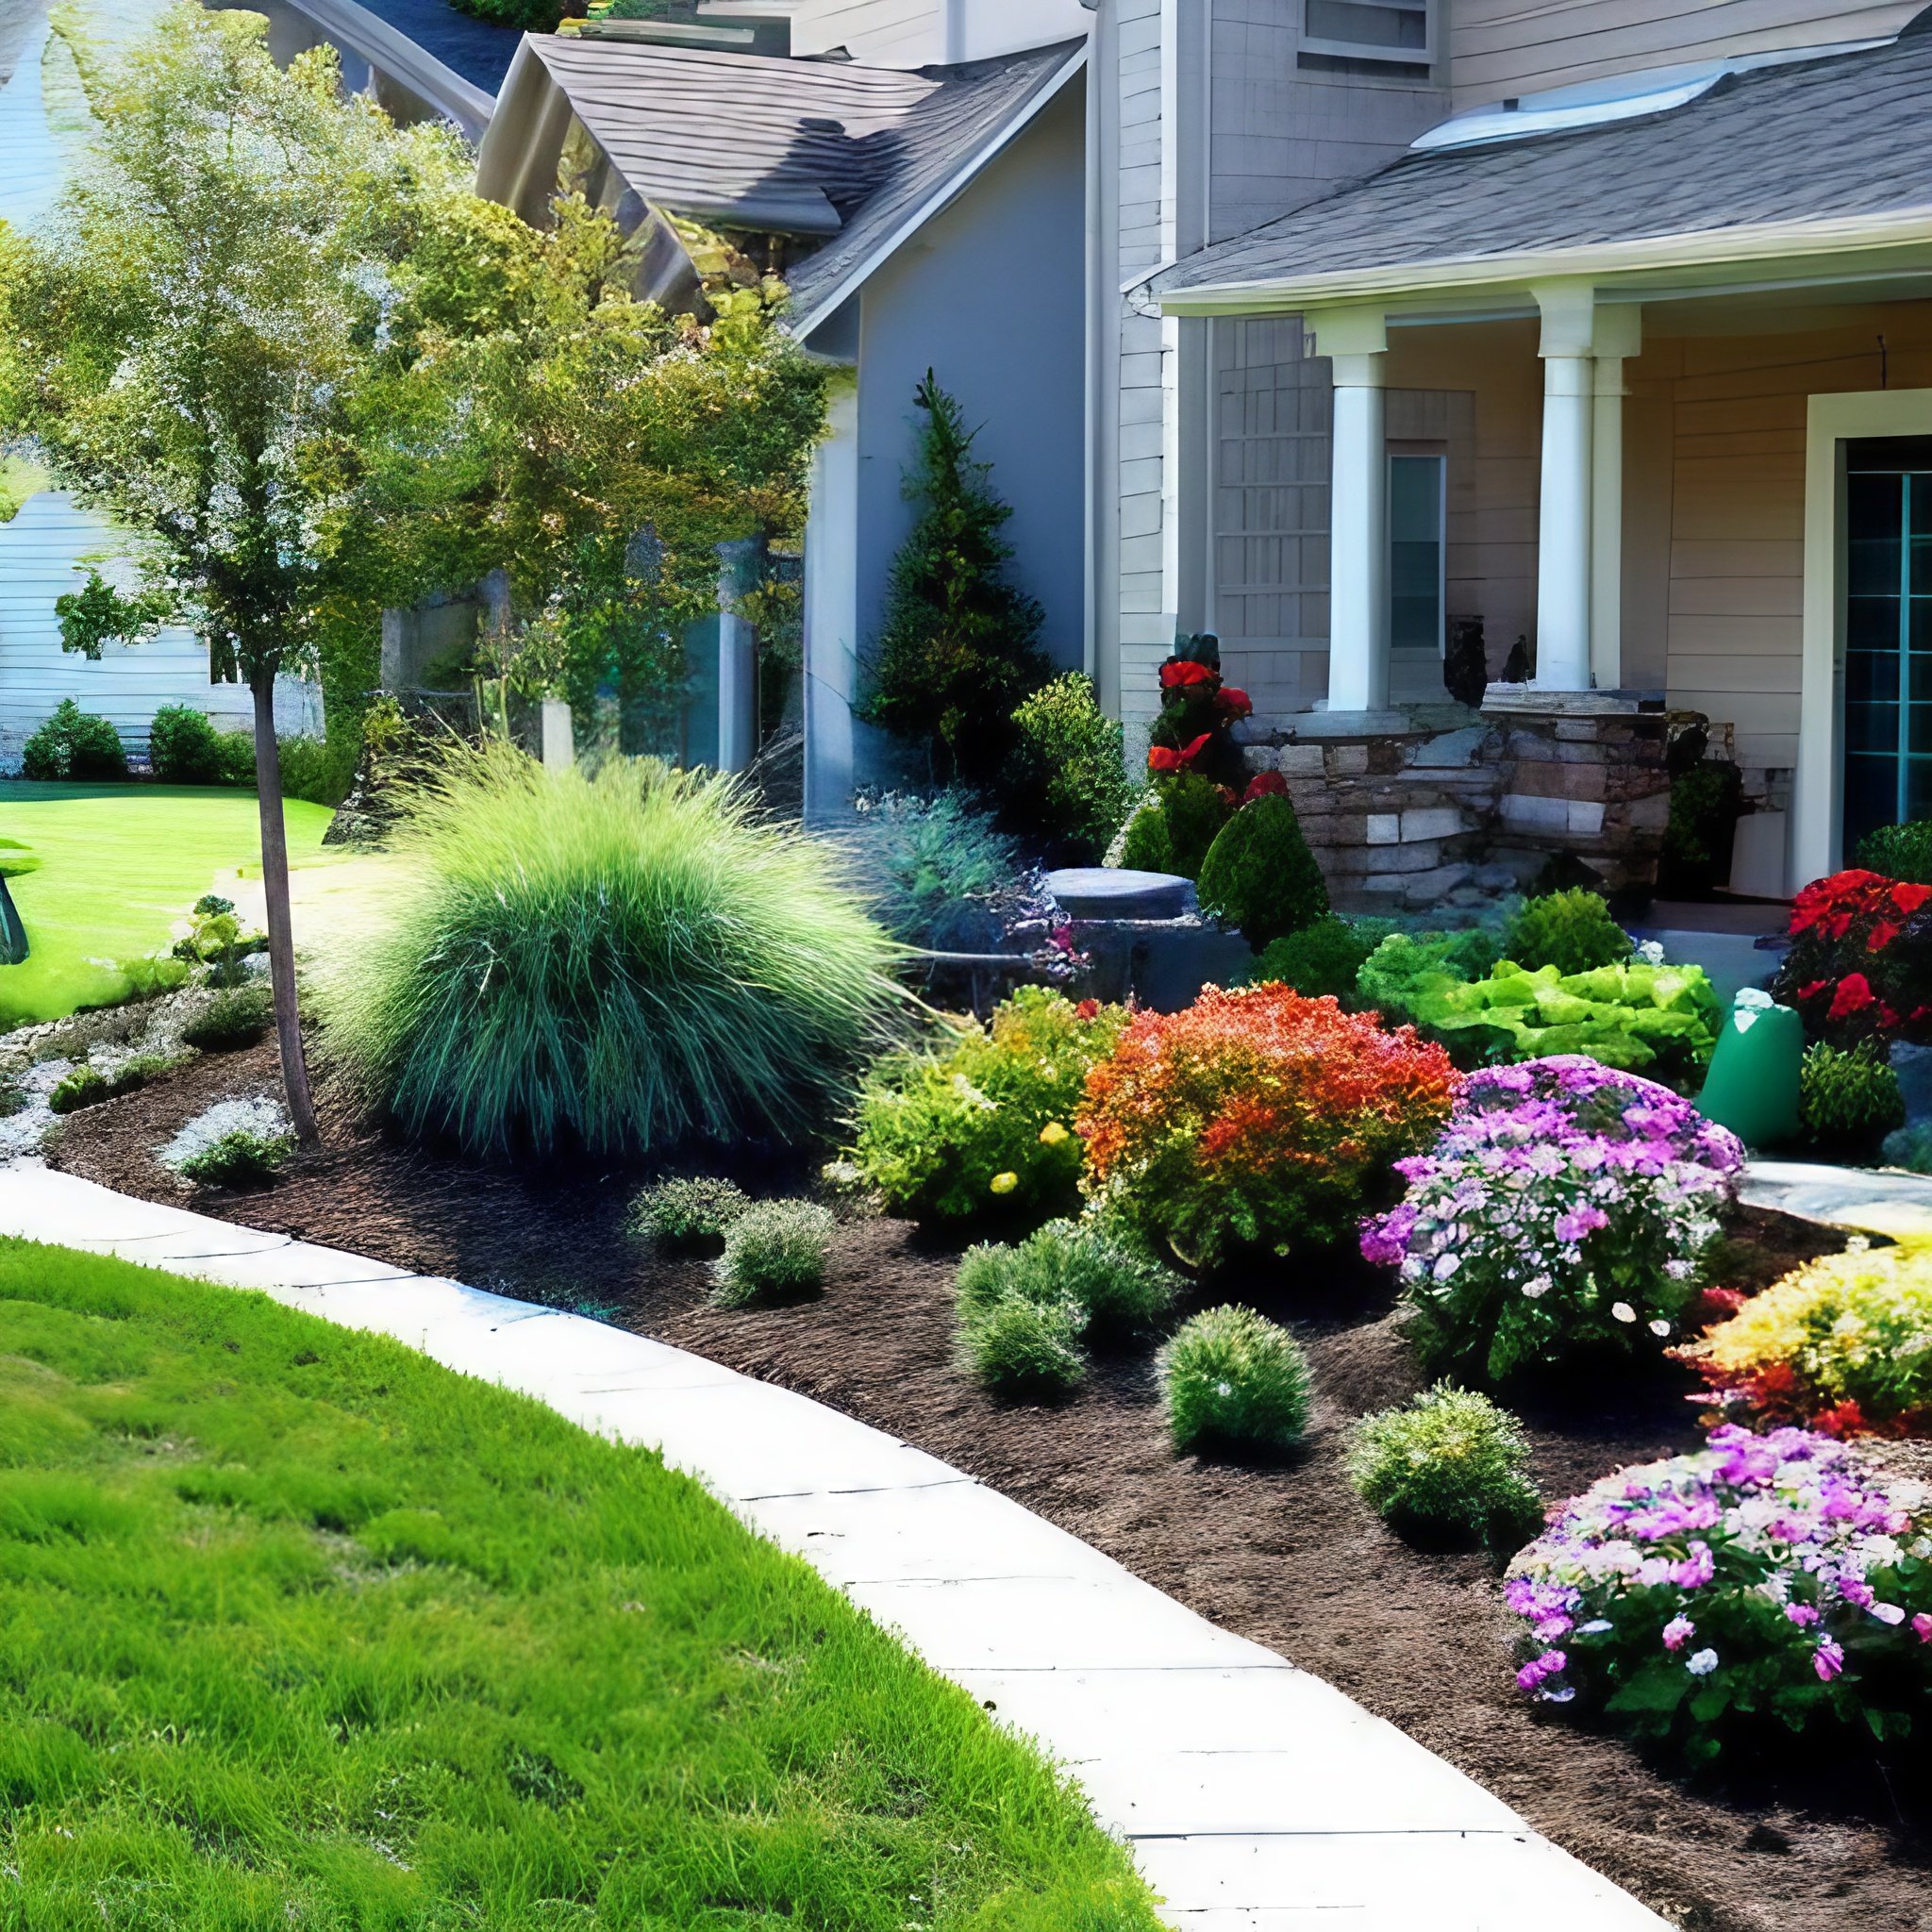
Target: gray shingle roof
1845	135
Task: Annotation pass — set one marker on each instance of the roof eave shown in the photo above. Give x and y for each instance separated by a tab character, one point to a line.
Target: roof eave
1700	250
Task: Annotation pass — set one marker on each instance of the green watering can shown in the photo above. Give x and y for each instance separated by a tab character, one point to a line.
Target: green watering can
15	859
1752	1084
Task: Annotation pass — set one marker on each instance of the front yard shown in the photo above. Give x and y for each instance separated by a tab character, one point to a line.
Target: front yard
302	1629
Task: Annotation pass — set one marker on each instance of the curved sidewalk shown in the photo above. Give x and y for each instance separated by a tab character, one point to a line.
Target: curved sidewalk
1256	1797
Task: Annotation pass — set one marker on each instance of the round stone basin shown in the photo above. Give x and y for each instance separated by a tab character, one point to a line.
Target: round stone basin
1106	892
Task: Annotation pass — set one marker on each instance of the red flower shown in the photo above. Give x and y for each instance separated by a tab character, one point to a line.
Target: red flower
1178	674
1854	995
1882	936
1164	758
1231	703
1811	991
1265	785
1087	1009
1909	898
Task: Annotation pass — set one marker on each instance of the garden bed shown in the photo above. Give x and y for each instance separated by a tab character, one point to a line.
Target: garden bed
1290	1557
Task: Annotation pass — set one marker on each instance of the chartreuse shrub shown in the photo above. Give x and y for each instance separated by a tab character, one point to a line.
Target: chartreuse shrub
1403	963
1256	1119
690	1215
1849	1097
1235	1384
1260	874
982	1125
1120	1292
1842	1344
1566	1207
298	1628
771	1250
1767	1579
1899	852
1176	824
1572	931
1449	1464
74	744
618	963
1323	960
1069	778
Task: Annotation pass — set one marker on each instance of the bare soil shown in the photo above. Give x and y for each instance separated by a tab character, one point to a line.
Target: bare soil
1813	1842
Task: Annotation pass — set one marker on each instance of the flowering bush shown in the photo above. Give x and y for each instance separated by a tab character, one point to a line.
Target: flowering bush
1860	961
1197	713
985	1124
1843	1344
1254	1119
1771	1576
1566	1205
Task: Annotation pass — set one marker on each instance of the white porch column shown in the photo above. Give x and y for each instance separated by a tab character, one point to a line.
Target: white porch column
831	609
1357	342
738	657
1563	569
1619	336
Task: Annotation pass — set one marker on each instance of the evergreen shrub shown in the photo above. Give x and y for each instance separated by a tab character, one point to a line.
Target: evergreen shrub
772	1250
73	745
1261	875
1450	1464
1236	1384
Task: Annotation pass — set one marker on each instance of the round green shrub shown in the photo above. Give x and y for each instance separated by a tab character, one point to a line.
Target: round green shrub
234	1018
1572	931
239	1159
73	745
1070	778
688	1216
1094	1265
1174	830
1899	852
1452	1464
1848	1097
1323	961
186	749
774	1249
1235	1382
1261	875
84	1086
1023	1348
619	963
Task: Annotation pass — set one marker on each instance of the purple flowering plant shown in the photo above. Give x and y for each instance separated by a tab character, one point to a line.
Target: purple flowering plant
1566	1205
1771	1576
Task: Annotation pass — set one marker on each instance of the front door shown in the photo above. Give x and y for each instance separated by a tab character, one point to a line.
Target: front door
1887	681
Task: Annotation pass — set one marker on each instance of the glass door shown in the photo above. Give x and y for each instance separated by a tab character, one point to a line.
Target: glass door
1887	675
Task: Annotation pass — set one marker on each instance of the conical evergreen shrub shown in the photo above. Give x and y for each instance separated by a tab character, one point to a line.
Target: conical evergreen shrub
960	645
1261	875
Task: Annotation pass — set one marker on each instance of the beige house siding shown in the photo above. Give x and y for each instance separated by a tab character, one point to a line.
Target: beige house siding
1498	48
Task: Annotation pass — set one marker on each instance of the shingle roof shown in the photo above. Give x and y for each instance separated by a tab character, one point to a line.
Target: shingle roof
1841	136
800	147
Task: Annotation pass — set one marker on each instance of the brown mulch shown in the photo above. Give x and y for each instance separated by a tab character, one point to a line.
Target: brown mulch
1288	1556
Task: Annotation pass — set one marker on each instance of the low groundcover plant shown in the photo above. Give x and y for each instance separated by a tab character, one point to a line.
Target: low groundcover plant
1766	1576
233	1144
1566	1206
771	1250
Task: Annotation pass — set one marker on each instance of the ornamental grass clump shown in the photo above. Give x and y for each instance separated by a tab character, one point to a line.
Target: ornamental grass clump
773	1251
1254	1120
615	963
1236	1384
1566	1208
1025	1349
1122	1293
1450	1465
1765	1577
235	1144
981	1126
1842	1345
688	1216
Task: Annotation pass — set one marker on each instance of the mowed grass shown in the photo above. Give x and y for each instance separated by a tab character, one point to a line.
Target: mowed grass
299	1629
119	865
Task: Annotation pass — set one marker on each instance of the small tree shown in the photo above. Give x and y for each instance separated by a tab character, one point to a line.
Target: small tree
959	648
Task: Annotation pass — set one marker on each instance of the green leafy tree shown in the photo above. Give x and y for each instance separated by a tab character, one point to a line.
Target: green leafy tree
959	648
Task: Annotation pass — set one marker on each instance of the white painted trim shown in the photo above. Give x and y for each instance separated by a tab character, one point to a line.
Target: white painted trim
1817	793
934	205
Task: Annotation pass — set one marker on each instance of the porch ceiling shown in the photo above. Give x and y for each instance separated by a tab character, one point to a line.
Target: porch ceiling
1783	173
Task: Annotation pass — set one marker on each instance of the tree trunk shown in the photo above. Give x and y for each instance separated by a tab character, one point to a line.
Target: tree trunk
281	934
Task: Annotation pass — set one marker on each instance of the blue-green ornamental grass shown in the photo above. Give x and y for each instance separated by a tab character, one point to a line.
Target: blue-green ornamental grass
299	1629
773	1250
1236	1383
617	963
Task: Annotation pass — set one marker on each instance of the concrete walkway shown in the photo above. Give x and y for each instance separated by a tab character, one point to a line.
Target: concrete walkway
1885	1201
1256	1797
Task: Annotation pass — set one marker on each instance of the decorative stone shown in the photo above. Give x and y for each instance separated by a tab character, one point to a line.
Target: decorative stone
1385	829
1111	893
1913	1066
1443	822
1453	748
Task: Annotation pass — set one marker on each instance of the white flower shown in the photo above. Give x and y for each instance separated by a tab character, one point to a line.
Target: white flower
1623	1311
1446	1266
1659	1329
1886	1613
1651	951
1703	1663
1536	1289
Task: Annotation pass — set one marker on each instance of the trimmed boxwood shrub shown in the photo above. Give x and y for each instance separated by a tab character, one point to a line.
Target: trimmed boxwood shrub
1261	875
73	745
1236	1384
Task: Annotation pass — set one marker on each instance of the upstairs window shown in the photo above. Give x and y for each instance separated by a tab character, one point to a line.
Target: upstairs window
1378	33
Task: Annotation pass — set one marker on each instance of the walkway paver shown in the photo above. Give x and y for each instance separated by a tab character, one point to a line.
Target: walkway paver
1887	1201
1256	1798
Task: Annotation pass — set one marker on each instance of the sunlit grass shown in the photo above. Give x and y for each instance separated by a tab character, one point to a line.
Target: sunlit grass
297	1628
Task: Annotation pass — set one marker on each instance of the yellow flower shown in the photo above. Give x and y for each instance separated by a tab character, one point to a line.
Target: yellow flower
1005	1183
1052	1134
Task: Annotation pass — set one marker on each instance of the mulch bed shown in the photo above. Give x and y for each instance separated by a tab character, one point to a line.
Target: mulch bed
1288	1556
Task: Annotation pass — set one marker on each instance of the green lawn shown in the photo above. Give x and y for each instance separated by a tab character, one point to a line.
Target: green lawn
299	1629
119	865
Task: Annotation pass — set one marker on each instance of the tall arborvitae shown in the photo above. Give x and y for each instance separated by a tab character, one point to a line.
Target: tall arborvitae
960	645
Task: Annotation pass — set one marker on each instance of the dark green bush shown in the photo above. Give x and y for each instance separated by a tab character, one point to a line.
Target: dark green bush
690	1216
234	1018
73	745
1235	1383
1323	961
1173	829
1899	852
1023	1348
1451	1464
1706	802
1261	875
773	1250
1120	1290
185	748
87	1086
530	16
320	770
1572	931
1069	778
620	962
1849	1098
238	1159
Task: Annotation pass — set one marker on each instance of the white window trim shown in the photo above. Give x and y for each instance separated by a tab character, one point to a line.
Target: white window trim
1817	788
1423	55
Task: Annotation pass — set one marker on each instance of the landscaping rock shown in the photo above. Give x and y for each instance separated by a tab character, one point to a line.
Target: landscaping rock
1114	892
1913	1066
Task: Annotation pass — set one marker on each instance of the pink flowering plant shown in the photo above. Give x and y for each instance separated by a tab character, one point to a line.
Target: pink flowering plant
1566	1205
1766	1576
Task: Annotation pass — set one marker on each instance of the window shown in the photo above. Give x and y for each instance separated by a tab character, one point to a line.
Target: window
1417	552
1396	31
